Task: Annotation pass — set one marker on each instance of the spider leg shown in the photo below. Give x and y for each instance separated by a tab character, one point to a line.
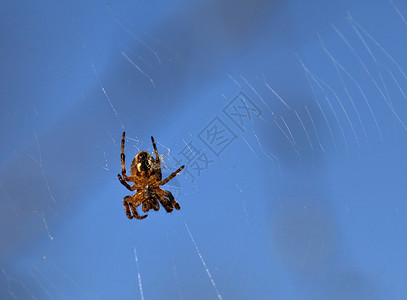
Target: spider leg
146	206
127	207
165	203
130	188
171	176
131	210
123	158
154	204
157	159
135	214
169	195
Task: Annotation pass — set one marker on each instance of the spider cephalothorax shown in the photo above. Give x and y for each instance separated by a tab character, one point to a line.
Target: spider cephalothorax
145	172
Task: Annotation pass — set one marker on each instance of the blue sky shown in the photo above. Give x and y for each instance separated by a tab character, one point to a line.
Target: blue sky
291	119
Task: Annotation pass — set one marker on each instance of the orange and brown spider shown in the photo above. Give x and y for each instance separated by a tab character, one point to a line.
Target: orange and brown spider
145	172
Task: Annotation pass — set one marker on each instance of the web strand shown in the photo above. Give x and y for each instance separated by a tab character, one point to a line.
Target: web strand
203	262
140	284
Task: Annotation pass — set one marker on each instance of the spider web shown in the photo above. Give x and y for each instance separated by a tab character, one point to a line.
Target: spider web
291	121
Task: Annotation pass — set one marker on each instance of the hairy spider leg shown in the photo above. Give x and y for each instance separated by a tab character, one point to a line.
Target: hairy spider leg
165	203
135	214
154	204
157	159
127	207
169	195
171	176
128	204
123	158
130	188
146	206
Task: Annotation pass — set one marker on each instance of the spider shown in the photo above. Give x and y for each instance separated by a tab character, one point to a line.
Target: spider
145	172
